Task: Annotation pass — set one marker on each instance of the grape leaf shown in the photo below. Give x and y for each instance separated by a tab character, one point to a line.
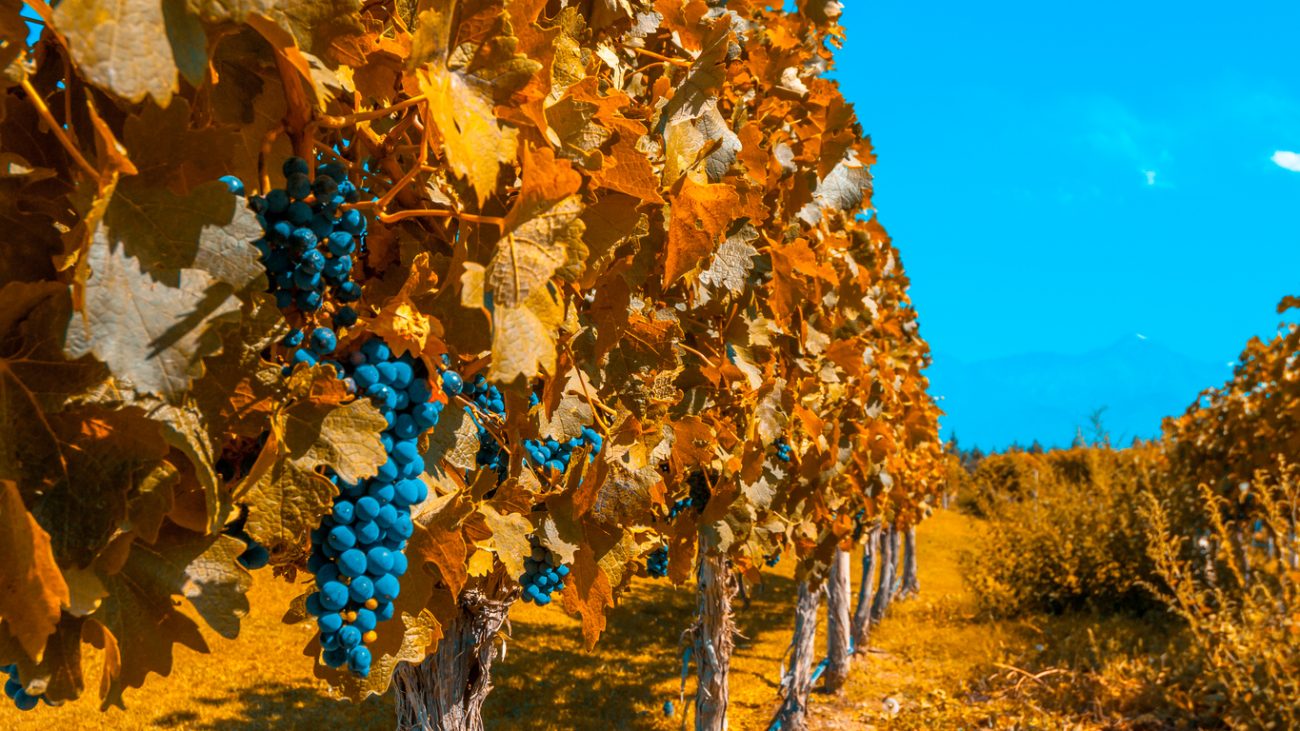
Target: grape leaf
32	590
115	451
209	229
542	233
152	334
314	24
470	68
700	214
285	502
509	536
167	151
524	336
57	674
128	48
588	594
139	611
342	437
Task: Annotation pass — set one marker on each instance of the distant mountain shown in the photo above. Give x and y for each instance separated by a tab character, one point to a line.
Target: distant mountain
1047	396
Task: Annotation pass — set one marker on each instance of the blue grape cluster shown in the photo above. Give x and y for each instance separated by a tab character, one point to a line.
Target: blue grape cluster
308	242
678	507
773	560
307	247
489	400
543	574
554	456
357	550
657	563
784	451
14	689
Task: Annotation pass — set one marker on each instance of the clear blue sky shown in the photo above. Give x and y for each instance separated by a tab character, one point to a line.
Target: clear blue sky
1063	175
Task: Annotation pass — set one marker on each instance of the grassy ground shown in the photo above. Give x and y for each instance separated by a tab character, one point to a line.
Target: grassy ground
931	655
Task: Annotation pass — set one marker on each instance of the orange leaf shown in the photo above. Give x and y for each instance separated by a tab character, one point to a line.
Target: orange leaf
32	589
700	213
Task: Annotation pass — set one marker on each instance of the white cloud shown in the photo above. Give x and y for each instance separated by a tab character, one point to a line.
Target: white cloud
1151	176
1287	160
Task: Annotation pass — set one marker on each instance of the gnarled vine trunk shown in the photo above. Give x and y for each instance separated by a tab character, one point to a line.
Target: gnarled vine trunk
793	714
888	564
911	581
714	637
446	691
838	627
866	591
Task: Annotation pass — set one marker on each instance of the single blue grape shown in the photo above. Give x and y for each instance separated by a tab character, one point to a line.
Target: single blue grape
352	562
361	589
334	596
341	538
379	561
329	623
387	588
235	185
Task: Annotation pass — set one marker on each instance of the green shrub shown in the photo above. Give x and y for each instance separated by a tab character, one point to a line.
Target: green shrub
1065	531
1242	665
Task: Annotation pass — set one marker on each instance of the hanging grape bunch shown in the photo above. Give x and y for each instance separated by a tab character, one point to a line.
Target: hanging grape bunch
548	454
678	507
14	689
308	241
784	451
357	552
657	563
773	559
543	574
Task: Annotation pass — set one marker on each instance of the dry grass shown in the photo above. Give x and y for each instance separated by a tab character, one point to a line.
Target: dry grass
930	655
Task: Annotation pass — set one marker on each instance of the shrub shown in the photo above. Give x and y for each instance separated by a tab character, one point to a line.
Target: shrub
1242	609
1065	531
